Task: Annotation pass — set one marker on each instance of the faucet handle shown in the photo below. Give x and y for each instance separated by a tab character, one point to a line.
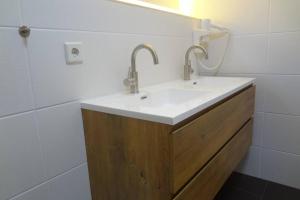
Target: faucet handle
130	79
128	82
191	70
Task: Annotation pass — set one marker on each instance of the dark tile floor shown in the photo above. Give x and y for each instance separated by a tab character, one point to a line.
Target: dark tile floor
242	187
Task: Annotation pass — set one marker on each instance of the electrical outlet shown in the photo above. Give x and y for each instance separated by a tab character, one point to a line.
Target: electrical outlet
73	53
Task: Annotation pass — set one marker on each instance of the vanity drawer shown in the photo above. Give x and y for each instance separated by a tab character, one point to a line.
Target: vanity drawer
193	145
206	184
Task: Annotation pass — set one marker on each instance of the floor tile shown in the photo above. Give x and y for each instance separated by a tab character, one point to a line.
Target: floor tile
244	187
230	193
247	183
276	191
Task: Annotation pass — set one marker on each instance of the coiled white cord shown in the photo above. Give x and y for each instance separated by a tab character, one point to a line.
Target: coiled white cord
216	67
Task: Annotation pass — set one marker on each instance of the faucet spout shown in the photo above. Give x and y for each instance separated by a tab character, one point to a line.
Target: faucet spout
132	80
187	67
136	50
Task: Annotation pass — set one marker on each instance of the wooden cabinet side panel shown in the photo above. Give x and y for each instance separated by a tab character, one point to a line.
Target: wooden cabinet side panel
212	177
127	158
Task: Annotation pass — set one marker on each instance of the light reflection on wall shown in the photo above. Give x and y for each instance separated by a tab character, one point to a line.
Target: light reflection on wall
185	7
173	4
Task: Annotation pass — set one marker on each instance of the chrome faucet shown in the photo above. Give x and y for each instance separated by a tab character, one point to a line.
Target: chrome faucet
188	70
132	80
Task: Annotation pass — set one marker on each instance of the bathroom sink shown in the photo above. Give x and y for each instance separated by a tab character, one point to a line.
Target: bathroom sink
169	102
150	100
213	83
168	97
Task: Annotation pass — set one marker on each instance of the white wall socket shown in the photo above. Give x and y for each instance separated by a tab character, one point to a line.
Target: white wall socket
73	53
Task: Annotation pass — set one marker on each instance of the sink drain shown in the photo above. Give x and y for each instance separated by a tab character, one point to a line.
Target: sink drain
144	97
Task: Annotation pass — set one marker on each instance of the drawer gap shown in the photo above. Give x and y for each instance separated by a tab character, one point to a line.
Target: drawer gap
195	175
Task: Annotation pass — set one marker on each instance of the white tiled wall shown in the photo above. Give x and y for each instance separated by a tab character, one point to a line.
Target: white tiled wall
42	150
241	17
10	14
61	136
15	86
21	165
266	44
42	153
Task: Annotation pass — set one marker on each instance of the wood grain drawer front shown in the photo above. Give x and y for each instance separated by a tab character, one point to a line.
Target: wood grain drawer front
195	143
211	178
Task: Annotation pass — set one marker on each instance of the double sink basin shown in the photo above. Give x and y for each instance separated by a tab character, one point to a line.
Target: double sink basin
171	102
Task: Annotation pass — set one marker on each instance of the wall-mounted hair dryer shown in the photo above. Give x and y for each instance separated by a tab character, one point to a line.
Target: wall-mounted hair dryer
205	34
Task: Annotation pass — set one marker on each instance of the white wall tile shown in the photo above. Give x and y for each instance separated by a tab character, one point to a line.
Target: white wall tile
102	81
272	58
284	53
20	155
106	63
251	163
62	138
73	185
15	87
285	15
260	88
104	15
54	82
281	94
10	13
38	193
259	92
216	50
281	167
240	17
246	54
258	128
281	132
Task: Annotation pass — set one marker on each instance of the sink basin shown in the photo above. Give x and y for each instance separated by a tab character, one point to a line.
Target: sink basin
155	99
169	102
169	97
214	83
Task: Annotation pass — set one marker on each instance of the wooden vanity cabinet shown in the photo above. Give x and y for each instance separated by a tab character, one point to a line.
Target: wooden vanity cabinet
133	159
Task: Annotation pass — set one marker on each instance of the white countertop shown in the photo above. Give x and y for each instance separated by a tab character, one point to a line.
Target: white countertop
170	102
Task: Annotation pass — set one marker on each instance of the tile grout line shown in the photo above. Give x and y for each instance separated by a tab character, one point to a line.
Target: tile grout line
268	64
108	32
282	114
38	109
256	73
9	26
36	121
35	117
150	34
280	151
48	180
141	34
261	144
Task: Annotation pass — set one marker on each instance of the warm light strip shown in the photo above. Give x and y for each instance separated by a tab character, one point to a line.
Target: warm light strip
186	7
153	6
